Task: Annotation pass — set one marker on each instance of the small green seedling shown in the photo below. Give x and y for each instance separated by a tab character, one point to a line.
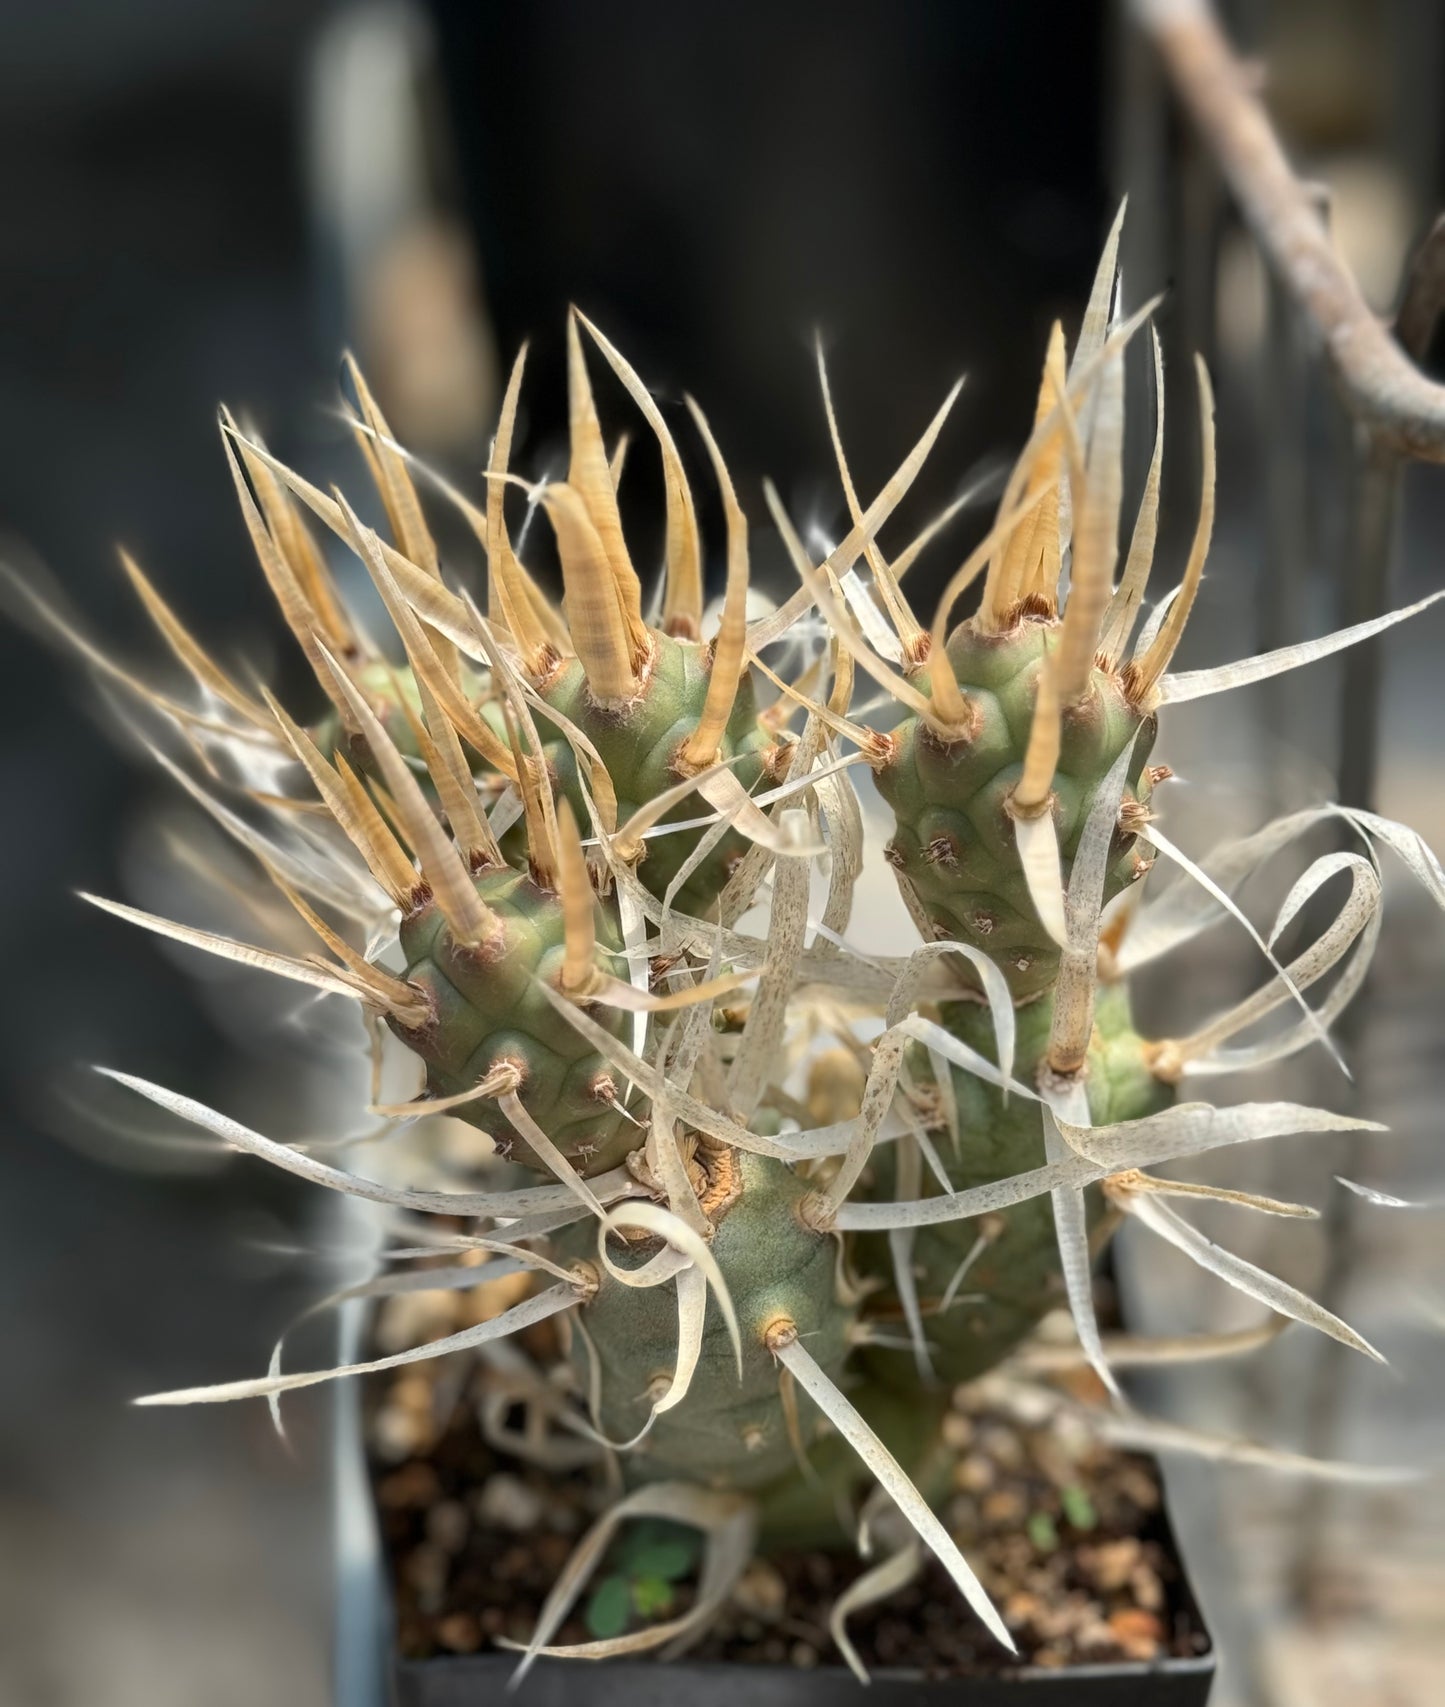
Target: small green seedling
644	1567
1078	1507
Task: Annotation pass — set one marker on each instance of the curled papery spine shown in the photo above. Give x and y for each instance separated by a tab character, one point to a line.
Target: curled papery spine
295	607
1096	534
376	987
1027	566
1202	1052
446	875
1256	1283
513	603
1124	606
1041	757
203	668
524	1315
580	976
728	654
590	475
1145	672
782	1340
1072	1024
595	616
909	643
682	595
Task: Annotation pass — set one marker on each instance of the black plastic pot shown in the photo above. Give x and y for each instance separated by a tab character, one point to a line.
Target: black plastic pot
370	1673
482	1678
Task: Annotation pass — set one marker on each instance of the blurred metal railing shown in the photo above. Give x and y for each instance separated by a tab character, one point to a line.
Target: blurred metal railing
1391	401
1175	53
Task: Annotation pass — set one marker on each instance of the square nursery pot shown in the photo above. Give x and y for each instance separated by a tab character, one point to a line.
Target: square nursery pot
369	1672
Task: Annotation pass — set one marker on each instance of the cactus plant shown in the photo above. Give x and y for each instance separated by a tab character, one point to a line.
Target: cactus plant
781	1193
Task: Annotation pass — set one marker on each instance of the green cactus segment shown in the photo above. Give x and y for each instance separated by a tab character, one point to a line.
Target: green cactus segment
1015	1277
639	744
953	845
726	1433
392	693
487	1010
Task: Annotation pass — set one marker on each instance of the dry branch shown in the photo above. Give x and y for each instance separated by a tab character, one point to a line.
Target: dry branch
1382	387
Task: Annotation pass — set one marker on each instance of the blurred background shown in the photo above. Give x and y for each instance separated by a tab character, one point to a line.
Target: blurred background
209	203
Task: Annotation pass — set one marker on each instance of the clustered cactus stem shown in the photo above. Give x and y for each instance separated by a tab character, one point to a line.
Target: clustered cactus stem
777	1194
